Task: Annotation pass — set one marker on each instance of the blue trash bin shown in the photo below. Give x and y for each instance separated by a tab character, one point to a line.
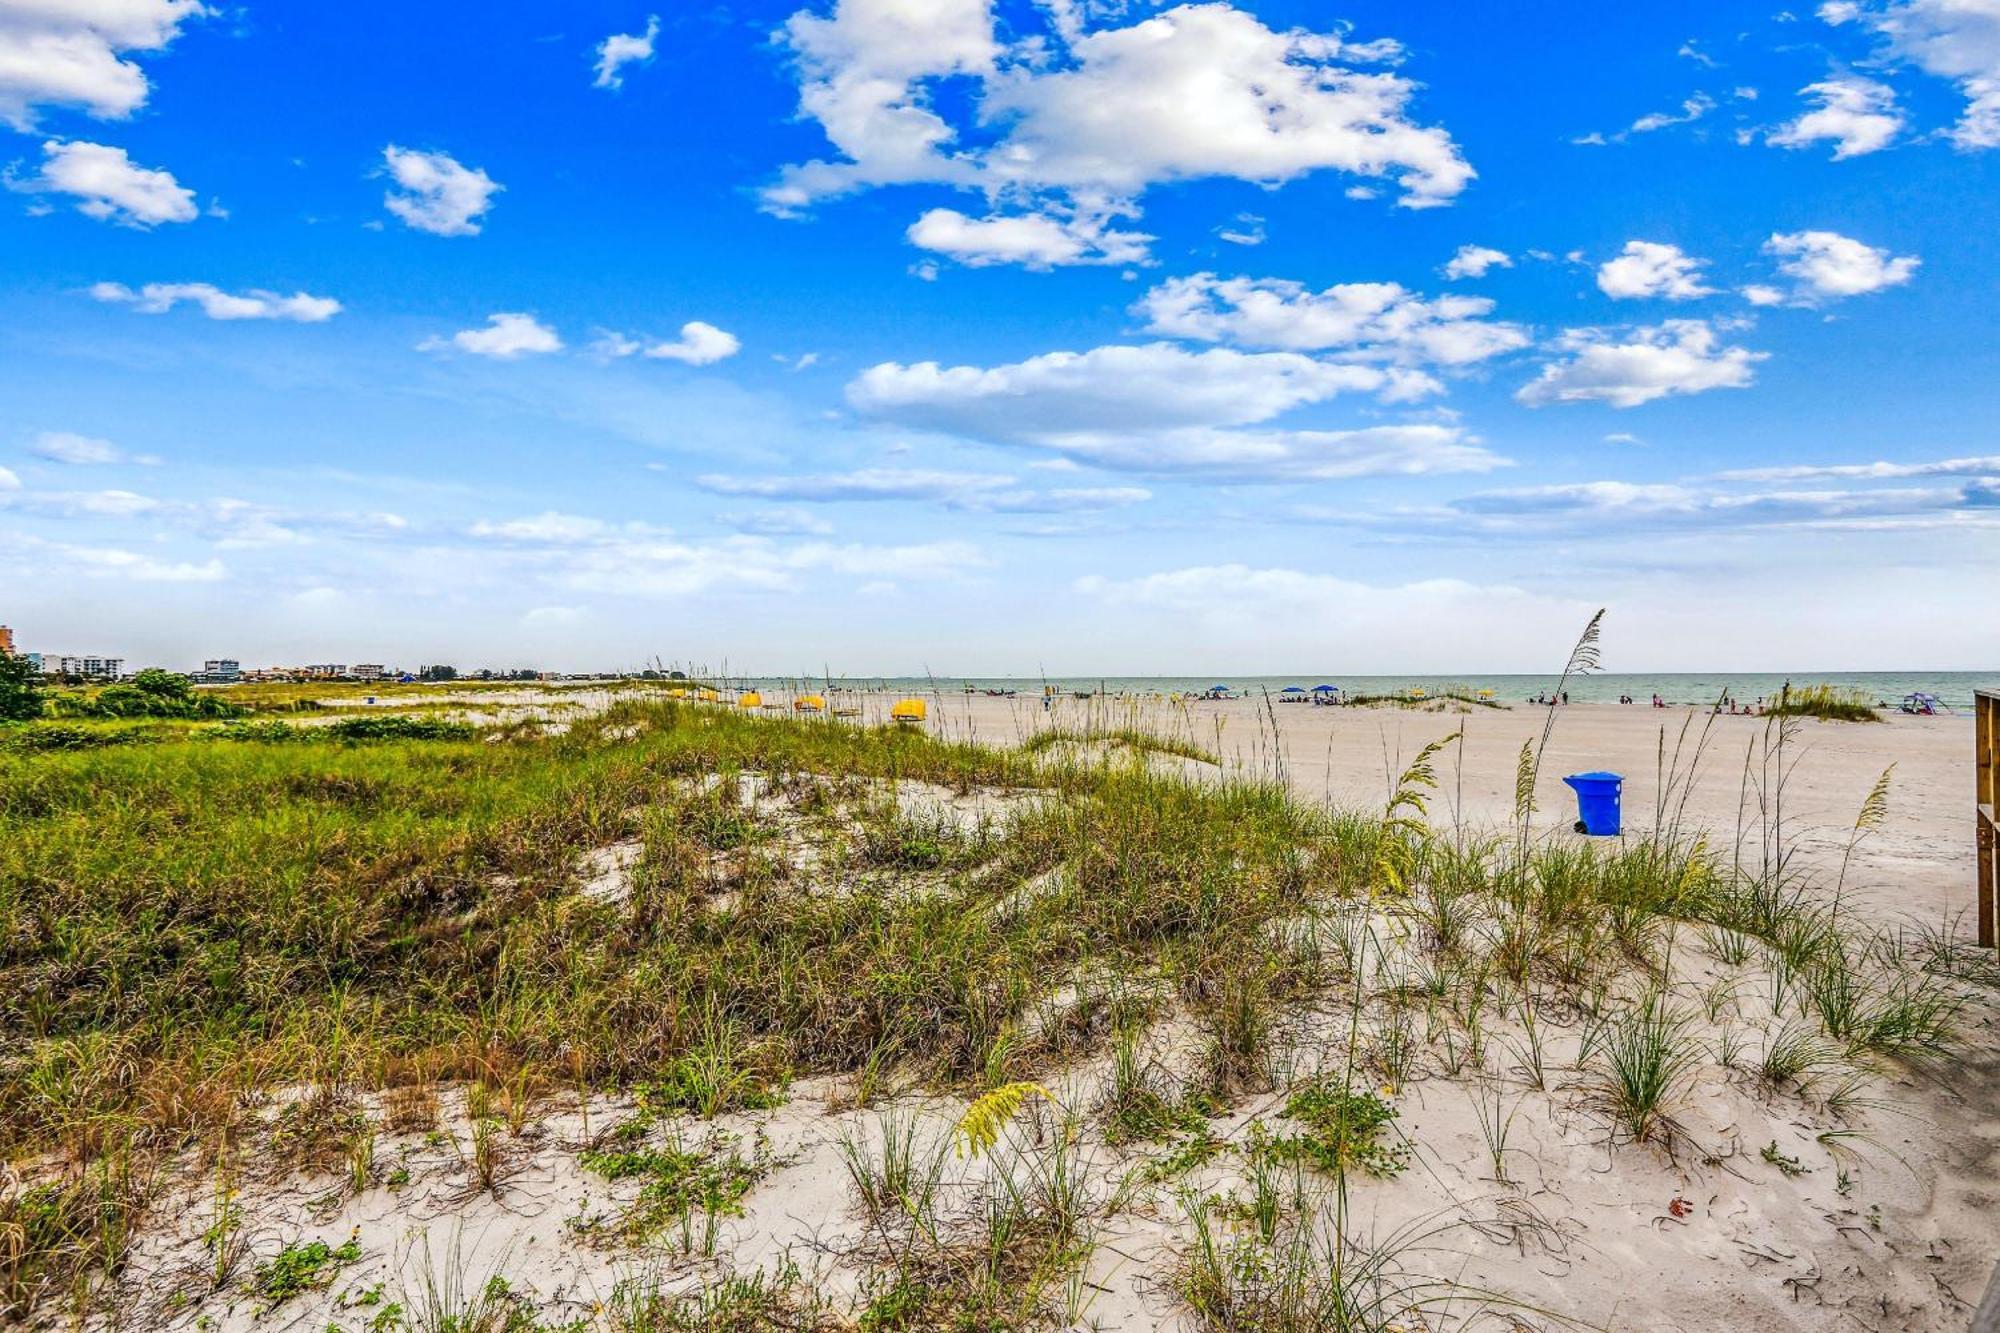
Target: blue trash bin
1597	801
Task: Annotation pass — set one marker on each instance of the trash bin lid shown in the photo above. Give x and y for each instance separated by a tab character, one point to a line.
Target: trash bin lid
1594	779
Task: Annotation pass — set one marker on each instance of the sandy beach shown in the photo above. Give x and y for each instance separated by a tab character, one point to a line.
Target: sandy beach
1919	863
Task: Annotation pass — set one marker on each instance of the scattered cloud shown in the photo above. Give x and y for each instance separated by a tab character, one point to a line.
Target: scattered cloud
1248	229
635	559
1158	408
553	528
157	298
1091	118
1151	387
1380	321
8	481
1626	368
1985	466
1828	266
1692	109
1616	508
864	484
1475	261
1651	269
1855	114
110	562
699	344
437	194
1032	240
506	337
981	492
71	53
1952	39
59	446
109	186
622	49
779	521
1690	51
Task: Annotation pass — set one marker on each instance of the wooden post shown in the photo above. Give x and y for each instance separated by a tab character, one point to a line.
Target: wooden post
1986	780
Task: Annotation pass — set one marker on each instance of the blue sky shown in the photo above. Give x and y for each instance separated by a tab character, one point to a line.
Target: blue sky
893	335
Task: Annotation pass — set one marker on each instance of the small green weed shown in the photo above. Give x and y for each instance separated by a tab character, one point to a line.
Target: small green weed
301	1268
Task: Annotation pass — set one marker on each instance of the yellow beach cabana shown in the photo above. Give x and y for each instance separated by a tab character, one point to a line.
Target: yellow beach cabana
749	699
808	703
908	711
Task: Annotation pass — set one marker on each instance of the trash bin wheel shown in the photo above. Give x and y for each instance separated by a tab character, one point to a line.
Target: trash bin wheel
1580	827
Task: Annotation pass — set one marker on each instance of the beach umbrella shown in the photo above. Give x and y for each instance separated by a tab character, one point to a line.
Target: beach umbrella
1293	689
1326	689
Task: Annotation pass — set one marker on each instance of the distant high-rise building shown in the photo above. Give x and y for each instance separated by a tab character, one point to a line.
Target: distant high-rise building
369	671
221	671
6	639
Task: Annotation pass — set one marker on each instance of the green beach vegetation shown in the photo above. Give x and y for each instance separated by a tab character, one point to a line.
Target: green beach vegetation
360	915
1829	703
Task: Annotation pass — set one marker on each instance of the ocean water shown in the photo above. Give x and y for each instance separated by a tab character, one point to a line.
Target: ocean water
1887	687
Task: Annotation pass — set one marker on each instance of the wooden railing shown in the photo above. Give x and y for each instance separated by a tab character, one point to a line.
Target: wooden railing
1986	748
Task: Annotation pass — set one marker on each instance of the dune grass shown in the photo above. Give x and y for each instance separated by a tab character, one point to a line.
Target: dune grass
190	919
1829	703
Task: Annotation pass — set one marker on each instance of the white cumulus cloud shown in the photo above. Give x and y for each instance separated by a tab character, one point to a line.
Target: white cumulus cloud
1854	114
1828	265
1952	39
436	193
159	297
506	337
72	53
622	49
1475	261
1650	268
1367	320
1032	240
699	344
109	186
1635	366
1090	118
